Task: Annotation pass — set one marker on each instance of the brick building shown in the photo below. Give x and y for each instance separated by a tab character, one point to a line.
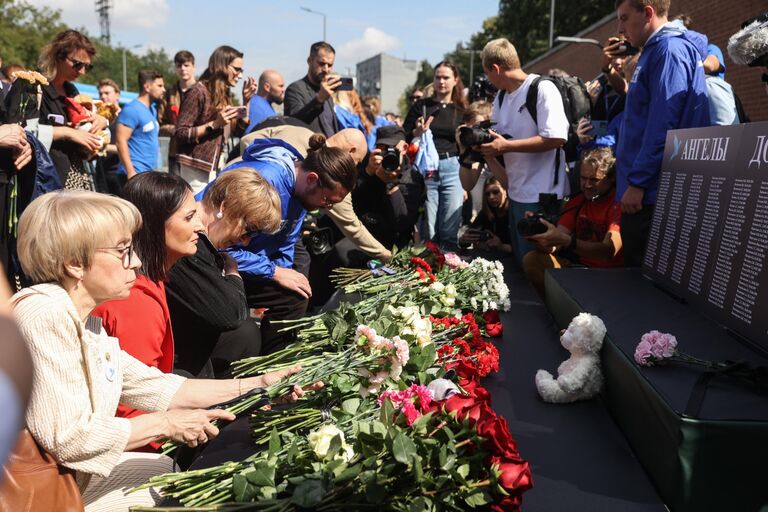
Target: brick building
716	18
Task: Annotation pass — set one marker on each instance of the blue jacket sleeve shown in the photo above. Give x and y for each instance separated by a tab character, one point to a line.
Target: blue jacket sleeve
253	264
283	257
669	79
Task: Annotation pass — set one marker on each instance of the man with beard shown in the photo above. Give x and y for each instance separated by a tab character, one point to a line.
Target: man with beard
271	90
309	99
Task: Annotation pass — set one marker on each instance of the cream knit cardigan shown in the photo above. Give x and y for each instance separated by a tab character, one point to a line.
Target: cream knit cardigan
80	376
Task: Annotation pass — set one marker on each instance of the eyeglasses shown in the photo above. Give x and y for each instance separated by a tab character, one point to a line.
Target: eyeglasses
326	202
77	65
124	253
238	71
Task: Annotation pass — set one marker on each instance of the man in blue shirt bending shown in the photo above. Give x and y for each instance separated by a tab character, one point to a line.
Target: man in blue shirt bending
271	90
137	130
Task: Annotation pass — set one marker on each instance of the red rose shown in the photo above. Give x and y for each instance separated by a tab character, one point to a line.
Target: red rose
491	316
515	474
493	329
508	504
498	440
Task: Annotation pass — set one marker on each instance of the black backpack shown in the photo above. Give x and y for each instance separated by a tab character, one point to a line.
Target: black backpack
576	103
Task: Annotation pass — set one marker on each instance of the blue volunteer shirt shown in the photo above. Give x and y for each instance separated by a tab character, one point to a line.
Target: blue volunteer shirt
143	145
259	109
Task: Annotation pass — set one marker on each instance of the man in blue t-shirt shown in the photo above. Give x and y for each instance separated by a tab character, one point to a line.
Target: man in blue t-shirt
271	90
138	129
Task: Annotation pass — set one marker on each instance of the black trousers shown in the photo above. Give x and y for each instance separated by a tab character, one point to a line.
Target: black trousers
634	235
281	304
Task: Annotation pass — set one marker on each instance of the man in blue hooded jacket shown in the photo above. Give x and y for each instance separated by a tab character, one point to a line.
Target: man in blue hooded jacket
667	92
267	263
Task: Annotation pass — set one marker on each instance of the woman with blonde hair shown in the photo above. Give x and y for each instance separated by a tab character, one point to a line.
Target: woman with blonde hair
207	117
62	61
78	247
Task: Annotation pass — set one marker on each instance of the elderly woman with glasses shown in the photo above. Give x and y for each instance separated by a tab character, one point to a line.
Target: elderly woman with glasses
207	117
77	247
178	242
62	61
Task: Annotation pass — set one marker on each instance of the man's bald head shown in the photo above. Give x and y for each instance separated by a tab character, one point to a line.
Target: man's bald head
351	140
272	86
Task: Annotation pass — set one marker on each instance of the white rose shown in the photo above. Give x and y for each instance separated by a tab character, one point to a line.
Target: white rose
320	441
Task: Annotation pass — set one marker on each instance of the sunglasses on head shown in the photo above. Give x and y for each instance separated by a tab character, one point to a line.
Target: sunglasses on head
77	65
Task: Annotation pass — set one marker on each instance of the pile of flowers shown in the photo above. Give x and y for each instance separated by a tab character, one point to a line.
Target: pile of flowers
402	422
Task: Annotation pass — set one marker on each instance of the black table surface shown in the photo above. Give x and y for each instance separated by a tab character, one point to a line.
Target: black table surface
579	458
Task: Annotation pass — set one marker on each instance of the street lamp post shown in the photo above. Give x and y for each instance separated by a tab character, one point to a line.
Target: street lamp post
321	14
125	65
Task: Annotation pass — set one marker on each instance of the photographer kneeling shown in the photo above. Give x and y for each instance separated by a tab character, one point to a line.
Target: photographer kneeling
587	232
490	229
391	191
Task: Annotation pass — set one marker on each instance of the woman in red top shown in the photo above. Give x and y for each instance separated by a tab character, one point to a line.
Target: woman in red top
169	231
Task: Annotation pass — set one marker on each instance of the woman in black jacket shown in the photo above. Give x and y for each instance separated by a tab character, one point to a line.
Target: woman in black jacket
206	297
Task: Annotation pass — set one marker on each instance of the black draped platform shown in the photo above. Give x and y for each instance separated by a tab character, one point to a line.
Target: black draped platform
708	457
580	459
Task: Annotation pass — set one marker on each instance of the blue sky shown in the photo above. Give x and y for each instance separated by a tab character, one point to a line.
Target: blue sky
278	34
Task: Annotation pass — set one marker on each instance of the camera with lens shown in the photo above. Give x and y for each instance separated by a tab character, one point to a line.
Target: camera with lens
550	211
625	49
475	135
482	89
390	158
317	240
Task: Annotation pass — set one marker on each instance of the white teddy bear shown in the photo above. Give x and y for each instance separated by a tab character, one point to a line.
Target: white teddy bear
579	377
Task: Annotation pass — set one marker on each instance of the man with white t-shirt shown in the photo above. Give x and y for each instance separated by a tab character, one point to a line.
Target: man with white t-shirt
529	149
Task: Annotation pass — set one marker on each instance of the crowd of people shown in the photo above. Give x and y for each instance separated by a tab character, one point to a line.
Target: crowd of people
137	288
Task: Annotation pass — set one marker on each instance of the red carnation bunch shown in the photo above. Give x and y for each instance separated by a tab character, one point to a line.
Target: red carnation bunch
424	269
435	253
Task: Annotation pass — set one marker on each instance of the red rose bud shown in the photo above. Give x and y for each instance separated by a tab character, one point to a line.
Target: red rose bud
514	474
498	440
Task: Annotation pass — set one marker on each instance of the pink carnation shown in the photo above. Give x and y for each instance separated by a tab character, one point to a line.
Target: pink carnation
453	260
411	414
424	394
654	347
401	349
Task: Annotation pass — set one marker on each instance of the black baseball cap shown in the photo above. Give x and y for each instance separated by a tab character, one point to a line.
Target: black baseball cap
390	135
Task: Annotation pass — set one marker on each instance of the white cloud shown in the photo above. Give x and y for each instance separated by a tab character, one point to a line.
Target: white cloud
125	13
374	41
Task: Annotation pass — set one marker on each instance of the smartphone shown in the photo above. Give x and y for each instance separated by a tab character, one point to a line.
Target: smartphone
347	84
599	128
432	113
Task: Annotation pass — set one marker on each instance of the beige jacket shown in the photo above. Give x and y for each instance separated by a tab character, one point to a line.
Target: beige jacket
342	214
80	376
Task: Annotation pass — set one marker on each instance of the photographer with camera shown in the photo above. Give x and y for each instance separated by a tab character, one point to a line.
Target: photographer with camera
490	229
310	98
475	130
533	158
587	231
391	191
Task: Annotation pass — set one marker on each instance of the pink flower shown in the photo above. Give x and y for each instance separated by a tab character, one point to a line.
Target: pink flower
401	349
654	347
454	261
411	414
424	394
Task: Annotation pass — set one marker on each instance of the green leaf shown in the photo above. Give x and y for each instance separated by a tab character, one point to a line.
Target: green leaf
351	405
375	492
428	356
333	447
308	494
349	473
262	475
387	411
418	471
403	448
274	442
421	504
463	470
242	489
477	498
293	450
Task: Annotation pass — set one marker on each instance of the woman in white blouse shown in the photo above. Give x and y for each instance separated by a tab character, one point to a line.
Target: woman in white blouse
77	246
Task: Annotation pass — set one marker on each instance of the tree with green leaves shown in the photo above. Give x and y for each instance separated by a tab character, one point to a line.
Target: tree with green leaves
26	29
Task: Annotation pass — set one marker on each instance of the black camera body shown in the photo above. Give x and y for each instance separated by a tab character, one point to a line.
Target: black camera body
550	206
626	49
390	158
475	135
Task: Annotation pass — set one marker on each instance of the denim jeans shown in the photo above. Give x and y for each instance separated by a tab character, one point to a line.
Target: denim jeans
520	246
444	199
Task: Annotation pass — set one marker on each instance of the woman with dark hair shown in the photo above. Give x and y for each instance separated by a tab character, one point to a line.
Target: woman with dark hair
441	114
62	61
207	117
490	229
